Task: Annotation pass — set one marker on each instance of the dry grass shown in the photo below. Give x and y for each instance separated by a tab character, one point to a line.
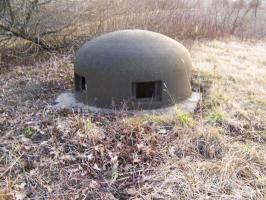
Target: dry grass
217	153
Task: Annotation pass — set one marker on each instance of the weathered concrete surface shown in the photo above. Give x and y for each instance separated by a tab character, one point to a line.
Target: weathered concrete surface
68	100
113	61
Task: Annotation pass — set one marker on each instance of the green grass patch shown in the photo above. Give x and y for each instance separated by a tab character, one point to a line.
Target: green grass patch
217	115
184	119
28	131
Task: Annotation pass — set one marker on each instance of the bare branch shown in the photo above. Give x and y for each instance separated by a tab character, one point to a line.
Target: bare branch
31	21
11	14
30	11
56	30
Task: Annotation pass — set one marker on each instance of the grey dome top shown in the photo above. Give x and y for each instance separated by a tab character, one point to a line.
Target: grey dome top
112	62
137	46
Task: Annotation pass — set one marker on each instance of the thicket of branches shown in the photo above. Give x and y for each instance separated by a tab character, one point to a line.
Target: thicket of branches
48	23
182	19
33	20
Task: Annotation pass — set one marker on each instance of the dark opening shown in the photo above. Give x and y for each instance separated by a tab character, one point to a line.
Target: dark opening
148	90
83	83
80	82
77	82
145	90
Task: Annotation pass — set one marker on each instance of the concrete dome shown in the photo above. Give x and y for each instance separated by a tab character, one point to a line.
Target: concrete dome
142	68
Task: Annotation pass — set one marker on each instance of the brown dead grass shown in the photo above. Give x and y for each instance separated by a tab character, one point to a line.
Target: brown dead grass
217	153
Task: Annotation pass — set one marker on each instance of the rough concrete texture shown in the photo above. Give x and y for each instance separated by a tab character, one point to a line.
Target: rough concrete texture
68	100
112	62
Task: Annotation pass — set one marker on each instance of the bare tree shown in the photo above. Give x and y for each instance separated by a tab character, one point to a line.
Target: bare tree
28	20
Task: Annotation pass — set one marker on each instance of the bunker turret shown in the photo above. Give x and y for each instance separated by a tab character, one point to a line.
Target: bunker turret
143	69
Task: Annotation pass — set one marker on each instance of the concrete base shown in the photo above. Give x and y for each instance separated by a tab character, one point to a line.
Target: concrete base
68	100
